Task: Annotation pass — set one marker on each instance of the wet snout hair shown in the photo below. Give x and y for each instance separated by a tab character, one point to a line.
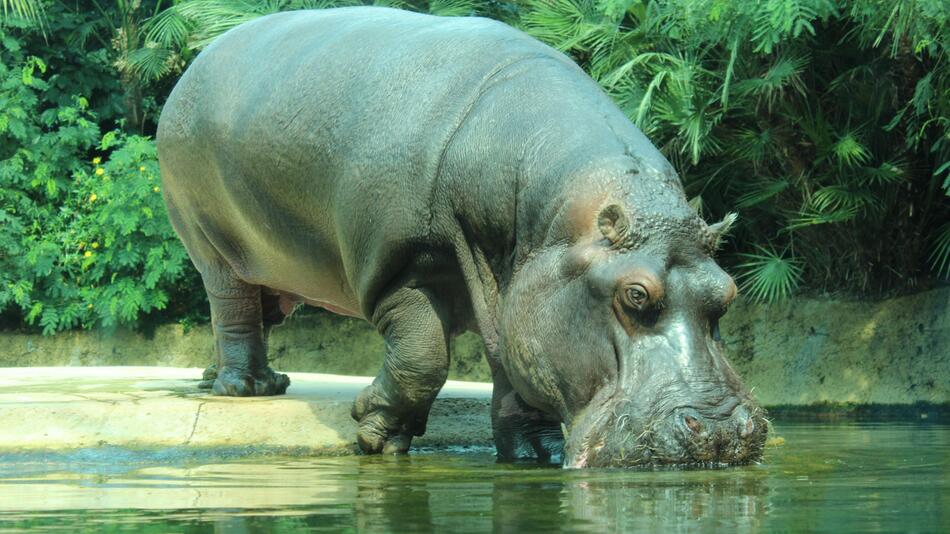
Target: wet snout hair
630	434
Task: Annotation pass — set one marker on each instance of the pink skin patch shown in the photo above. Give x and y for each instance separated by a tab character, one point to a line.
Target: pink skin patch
289	301
287	304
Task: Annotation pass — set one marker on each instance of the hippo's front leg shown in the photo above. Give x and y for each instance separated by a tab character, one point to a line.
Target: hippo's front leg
395	407
521	431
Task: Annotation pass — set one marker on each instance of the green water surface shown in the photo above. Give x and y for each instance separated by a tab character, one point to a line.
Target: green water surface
885	477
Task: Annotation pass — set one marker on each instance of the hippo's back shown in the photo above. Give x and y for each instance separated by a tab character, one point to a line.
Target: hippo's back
304	146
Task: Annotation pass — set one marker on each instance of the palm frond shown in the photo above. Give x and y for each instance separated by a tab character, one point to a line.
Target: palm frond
889	172
211	18
850	152
169	28
453	8
150	62
395	4
694	124
647	100
754	146
840	198
31	10
785	73
944	167
940	256
769	275
647	60
761	191
814	218
556	22
730	72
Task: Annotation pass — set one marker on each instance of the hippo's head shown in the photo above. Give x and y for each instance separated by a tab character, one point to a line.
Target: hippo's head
616	330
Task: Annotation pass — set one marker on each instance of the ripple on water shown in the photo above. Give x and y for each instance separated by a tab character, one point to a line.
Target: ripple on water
861	477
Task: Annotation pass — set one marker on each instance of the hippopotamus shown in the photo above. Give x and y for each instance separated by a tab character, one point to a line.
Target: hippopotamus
436	175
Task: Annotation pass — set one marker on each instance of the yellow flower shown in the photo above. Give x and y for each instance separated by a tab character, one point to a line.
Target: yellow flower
155	189
100	171
87	254
93	197
82	245
96	160
89	306
95	244
142	168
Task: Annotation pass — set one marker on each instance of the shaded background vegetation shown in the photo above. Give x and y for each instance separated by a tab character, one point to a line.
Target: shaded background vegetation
824	124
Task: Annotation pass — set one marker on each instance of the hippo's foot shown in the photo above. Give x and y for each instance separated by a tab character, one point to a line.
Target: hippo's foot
208	377
261	383
523	432
381	428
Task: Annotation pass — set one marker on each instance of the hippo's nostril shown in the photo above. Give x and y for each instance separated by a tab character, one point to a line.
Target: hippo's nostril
693	424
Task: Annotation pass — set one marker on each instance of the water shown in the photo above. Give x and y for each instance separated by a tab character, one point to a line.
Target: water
848	477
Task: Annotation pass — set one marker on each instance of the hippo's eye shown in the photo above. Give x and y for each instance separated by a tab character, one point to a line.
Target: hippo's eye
636	297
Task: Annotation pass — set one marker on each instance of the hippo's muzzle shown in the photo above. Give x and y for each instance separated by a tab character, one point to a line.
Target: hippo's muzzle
618	434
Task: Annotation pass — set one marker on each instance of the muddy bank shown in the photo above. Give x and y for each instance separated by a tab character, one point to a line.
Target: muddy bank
807	352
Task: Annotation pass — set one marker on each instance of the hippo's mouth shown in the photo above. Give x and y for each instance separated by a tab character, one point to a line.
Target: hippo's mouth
611	434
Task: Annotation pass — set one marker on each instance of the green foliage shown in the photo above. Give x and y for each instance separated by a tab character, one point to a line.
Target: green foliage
768	275
940	257
190	25
825	123
85	242
30	10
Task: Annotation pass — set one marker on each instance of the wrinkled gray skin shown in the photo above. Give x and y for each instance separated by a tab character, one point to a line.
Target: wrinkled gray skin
435	175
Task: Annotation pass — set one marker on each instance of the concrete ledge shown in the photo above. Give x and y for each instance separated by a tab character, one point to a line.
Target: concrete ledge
804	351
60	408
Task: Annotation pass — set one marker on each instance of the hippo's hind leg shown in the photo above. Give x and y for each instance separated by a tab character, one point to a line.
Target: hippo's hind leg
237	322
396	406
237	315
271	315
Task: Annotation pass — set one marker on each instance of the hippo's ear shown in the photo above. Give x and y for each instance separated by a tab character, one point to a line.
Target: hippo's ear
719	230
613	223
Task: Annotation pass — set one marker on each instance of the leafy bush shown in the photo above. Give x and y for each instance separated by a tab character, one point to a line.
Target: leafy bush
86	241
822	122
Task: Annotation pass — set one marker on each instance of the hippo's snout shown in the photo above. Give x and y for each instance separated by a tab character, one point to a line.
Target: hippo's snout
736	439
684	437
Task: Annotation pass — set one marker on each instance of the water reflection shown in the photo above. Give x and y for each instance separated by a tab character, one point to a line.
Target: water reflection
736	500
817	481
399	505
